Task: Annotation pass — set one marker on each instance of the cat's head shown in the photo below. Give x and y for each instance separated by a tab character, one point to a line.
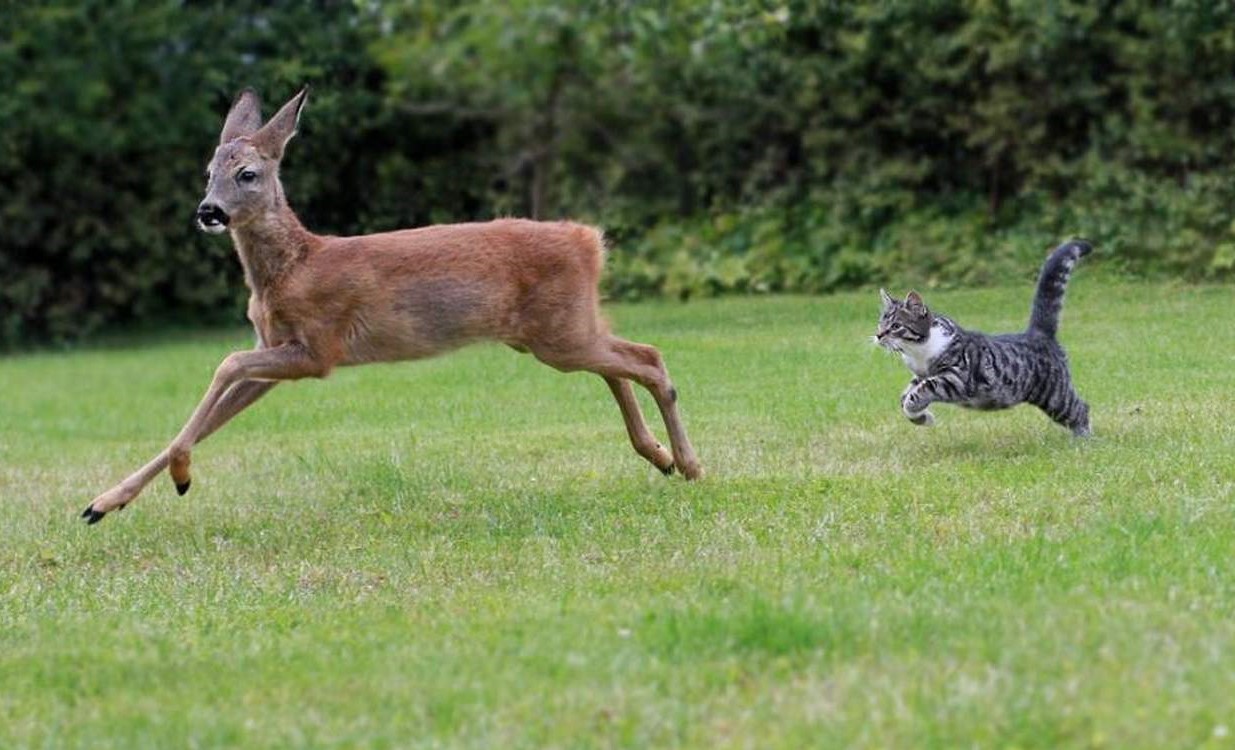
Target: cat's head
901	323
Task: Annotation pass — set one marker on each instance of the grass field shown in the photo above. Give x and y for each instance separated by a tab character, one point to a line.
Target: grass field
466	551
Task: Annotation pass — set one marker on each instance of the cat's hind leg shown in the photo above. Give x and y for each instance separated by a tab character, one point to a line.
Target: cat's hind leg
1064	406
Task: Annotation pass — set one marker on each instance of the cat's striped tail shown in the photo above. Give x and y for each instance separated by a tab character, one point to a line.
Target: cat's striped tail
1048	301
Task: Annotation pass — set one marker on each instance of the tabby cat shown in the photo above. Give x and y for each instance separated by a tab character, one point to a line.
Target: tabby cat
974	370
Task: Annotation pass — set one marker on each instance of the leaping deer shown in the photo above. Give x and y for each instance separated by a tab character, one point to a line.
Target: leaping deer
317	302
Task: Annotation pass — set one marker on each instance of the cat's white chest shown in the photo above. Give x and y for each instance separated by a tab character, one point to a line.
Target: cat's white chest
918	356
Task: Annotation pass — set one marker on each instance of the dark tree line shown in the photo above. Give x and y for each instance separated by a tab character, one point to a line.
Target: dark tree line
726	146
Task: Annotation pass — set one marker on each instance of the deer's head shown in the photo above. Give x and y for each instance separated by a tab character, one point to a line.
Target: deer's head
242	180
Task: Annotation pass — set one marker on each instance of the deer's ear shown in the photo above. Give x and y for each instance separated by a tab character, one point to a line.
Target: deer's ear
278	130
244	118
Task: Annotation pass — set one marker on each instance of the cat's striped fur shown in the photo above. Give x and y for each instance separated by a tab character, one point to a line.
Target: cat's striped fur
974	370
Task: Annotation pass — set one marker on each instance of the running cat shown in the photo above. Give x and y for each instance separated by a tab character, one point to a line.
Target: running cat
977	371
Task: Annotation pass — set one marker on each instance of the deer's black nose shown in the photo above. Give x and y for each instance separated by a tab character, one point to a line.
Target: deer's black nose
209	215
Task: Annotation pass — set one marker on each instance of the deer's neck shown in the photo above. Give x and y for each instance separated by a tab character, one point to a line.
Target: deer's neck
270	246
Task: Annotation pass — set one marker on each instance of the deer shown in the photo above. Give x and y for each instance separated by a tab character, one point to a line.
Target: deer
317	302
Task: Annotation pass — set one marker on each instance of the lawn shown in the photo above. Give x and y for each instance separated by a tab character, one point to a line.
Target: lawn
466	552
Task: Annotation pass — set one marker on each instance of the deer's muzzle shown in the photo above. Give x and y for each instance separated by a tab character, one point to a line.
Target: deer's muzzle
211	218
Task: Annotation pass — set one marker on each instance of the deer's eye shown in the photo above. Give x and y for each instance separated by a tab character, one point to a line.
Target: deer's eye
246	175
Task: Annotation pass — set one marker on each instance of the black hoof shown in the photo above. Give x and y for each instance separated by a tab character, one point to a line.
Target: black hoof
668	470
92	516
183	488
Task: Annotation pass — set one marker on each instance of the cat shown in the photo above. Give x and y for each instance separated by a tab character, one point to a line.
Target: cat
971	369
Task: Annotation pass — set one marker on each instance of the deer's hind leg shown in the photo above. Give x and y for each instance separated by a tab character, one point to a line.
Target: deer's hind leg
613	357
641	437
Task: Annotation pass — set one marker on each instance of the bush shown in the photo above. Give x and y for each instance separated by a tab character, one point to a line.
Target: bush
728	147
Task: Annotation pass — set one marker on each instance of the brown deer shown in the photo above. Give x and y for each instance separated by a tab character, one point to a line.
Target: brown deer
317	302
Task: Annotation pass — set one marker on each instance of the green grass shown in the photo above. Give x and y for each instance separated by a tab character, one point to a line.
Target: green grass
466	552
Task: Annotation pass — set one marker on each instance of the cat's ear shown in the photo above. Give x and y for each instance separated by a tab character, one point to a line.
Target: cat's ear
915	305
886	299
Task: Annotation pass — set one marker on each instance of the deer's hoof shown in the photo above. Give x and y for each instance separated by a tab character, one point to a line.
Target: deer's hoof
667	470
183	488
91	515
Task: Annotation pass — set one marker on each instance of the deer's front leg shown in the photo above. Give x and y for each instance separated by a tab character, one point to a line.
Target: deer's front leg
237	398
287	362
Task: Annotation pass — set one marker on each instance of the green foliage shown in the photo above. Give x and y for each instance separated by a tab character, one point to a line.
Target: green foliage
109	113
727	146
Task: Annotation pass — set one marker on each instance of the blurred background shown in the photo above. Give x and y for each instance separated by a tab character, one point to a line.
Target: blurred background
726	147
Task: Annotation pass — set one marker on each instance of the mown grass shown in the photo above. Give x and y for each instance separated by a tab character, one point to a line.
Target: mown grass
466	552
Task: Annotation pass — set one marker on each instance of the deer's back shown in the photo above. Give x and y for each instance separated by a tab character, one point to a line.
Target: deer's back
419	292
